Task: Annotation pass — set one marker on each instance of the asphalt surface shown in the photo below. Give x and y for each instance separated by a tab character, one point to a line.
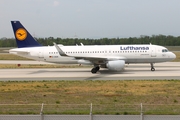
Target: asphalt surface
164	71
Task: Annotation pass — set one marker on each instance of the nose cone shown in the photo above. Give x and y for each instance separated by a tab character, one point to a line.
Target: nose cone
173	56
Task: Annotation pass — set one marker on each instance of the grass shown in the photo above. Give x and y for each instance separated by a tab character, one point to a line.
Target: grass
74	97
13	66
7	56
173	48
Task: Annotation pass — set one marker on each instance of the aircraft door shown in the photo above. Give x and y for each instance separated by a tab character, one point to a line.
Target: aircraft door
153	51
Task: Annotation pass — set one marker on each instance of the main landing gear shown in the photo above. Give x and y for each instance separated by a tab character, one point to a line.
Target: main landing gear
95	69
152	67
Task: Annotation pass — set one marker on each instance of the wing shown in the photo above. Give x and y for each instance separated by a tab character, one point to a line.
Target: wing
93	59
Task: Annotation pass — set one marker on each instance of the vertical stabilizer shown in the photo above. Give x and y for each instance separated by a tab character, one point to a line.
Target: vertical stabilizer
23	37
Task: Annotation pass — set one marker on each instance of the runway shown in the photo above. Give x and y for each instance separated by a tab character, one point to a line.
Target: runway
164	71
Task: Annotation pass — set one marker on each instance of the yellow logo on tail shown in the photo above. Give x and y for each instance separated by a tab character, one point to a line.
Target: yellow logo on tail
21	34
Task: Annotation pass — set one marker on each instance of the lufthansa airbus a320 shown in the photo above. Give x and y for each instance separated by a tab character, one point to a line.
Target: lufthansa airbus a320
112	57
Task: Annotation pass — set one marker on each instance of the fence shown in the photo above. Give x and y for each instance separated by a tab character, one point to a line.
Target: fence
90	112
85	109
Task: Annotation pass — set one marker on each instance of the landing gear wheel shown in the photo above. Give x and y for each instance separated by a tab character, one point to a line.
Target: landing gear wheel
95	69
152	69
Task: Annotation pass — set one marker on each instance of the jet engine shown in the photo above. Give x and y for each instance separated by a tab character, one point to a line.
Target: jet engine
116	65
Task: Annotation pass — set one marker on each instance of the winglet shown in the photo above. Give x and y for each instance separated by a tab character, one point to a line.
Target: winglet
82	44
61	53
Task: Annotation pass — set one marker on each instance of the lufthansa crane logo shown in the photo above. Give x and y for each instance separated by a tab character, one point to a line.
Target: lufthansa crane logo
21	34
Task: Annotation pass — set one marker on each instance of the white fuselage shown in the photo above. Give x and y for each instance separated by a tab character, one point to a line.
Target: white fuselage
128	53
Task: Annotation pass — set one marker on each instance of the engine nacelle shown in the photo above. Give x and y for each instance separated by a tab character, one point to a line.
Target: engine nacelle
116	65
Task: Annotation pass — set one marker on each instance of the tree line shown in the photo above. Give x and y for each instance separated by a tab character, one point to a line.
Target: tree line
154	39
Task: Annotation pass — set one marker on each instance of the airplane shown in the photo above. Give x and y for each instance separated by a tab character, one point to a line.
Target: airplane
112	57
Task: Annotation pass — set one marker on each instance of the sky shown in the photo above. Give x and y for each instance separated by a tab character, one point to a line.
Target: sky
91	18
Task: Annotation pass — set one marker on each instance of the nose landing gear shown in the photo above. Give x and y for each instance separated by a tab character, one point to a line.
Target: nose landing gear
152	67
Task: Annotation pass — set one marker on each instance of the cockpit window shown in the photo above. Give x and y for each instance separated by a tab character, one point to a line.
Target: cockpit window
164	50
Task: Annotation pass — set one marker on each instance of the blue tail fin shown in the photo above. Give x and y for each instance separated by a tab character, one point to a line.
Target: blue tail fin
23	38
